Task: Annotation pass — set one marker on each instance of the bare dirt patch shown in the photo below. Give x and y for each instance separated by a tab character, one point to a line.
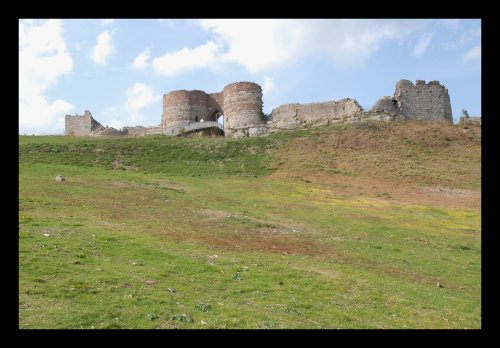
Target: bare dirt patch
414	162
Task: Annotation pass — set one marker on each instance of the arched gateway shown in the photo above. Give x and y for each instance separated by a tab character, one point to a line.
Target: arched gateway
240	103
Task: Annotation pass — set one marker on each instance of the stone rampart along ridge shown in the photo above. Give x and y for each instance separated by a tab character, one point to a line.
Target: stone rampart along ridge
292	116
241	105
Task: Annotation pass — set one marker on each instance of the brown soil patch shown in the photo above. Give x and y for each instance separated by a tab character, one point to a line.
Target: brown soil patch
218	234
414	162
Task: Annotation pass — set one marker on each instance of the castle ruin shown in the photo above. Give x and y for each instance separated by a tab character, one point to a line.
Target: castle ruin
240	104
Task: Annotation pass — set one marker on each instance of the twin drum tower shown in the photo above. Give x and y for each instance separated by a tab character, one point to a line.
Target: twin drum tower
239	103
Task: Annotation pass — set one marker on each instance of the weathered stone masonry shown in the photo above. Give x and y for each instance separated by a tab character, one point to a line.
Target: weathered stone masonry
423	101
181	106
86	125
78	125
292	116
241	105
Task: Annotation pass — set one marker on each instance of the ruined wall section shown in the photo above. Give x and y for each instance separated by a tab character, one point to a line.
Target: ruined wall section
109	131
292	116
137	131
430	102
86	125
242	107
386	105
78	125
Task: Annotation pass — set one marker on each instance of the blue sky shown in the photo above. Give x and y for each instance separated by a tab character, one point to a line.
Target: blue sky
119	69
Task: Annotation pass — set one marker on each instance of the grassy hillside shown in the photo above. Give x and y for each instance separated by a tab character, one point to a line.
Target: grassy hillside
349	226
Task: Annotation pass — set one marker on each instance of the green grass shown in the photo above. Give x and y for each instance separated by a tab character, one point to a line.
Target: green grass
153	154
184	241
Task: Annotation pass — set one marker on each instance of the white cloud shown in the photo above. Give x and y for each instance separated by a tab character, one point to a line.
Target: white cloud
268	85
103	49
138	97
43	59
422	44
263	44
141	61
186	59
107	21
473	53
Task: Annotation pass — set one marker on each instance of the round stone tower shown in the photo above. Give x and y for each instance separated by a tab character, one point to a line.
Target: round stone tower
176	108
181	106
242	106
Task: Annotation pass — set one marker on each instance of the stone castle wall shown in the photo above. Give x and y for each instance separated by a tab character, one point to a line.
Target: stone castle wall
78	125
386	105
137	131
182	106
292	116
86	125
423	101
241	105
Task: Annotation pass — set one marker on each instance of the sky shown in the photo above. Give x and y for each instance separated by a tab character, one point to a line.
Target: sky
119	69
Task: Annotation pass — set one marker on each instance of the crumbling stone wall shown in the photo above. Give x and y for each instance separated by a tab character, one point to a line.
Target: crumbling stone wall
423	101
86	125
78	125
292	116
387	105
137	131
109	131
241	105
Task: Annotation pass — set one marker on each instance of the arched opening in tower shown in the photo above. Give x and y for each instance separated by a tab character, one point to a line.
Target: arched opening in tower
217	116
